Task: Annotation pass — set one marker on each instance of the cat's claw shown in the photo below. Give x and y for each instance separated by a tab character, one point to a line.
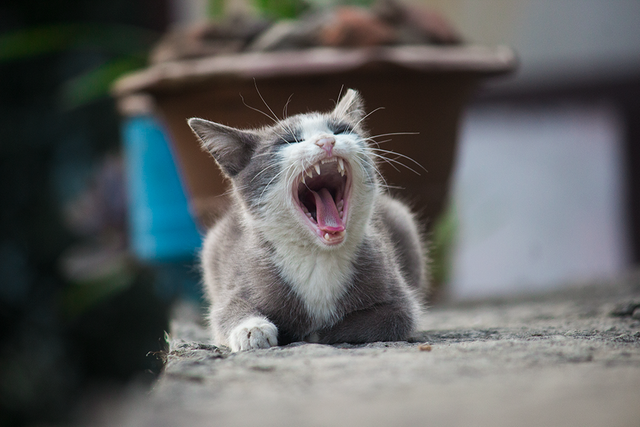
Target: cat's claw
252	333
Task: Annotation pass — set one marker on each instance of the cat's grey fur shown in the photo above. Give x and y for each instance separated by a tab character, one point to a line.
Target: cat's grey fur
280	266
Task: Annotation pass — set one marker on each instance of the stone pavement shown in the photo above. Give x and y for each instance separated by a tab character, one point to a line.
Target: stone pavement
569	358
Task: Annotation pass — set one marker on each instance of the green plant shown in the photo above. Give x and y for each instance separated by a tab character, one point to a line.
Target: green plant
283	9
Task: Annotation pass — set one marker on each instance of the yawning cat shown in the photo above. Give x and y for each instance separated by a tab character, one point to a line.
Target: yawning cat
311	247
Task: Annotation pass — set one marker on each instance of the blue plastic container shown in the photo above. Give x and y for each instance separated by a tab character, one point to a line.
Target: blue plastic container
161	227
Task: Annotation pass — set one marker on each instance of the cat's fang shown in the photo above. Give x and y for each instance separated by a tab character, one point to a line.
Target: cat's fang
317	168
309	173
341	166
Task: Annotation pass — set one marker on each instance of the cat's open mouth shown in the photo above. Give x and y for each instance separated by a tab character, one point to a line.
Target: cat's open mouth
322	194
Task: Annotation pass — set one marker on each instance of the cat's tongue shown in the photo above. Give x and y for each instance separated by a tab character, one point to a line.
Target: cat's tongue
327	214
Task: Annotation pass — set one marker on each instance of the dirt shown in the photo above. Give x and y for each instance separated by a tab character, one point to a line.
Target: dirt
569	358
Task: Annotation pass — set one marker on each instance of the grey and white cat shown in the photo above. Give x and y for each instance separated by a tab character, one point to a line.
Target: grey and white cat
311	248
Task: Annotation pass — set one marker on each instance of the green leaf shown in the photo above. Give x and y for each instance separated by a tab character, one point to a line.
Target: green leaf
95	84
114	39
281	9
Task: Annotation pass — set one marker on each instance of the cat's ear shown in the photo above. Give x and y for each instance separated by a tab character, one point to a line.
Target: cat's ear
232	148
350	107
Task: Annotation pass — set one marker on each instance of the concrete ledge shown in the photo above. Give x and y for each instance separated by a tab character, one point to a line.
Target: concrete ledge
570	358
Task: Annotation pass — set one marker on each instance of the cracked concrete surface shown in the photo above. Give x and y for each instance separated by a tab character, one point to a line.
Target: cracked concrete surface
568	358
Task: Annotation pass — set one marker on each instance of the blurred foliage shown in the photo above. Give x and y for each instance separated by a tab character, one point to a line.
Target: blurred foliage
62	336
111	38
122	48
283	9
441	247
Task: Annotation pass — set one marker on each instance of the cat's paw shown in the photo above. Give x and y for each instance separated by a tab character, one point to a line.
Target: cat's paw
254	332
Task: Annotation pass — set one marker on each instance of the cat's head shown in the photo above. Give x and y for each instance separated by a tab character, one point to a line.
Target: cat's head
309	178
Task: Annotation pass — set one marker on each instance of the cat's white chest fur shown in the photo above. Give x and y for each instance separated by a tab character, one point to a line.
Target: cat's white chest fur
319	279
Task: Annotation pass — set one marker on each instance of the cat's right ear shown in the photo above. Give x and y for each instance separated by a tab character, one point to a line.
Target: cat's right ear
232	148
350	107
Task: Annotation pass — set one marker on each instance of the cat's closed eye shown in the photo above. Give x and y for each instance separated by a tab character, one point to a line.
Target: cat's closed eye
340	128
289	138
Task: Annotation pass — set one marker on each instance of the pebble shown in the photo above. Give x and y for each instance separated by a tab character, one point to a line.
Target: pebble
424	347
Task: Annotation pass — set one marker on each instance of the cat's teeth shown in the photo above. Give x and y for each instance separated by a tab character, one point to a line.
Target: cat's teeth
302	180
340	204
317	168
309	173
341	166
326	236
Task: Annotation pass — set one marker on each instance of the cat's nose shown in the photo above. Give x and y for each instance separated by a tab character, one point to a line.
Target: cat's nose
326	144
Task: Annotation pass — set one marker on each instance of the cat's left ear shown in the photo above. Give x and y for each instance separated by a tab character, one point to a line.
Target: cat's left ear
350	107
232	148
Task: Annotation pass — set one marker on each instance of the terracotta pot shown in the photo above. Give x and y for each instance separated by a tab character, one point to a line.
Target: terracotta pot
423	90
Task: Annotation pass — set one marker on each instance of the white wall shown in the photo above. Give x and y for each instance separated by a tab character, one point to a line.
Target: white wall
557	40
539	198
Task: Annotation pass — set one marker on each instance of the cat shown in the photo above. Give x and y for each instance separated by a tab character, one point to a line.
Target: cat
311	249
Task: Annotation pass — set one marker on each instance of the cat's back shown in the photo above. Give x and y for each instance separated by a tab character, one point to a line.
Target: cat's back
406	237
225	244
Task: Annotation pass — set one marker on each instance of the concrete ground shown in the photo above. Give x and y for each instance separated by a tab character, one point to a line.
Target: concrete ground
569	358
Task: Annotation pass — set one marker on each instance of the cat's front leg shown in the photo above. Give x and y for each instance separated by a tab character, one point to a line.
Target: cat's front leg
382	322
253	332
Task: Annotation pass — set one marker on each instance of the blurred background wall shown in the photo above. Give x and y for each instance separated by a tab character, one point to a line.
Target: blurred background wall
546	190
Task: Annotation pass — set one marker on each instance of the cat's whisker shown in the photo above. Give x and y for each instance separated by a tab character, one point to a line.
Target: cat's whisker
392	187
339	95
274	118
391	134
275	164
389	159
386	160
367	115
285	110
401	155
257	110
365	159
265	102
272	179
378	171
377	143
267	153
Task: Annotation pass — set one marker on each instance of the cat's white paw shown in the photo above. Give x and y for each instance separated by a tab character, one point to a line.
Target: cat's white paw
254	332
